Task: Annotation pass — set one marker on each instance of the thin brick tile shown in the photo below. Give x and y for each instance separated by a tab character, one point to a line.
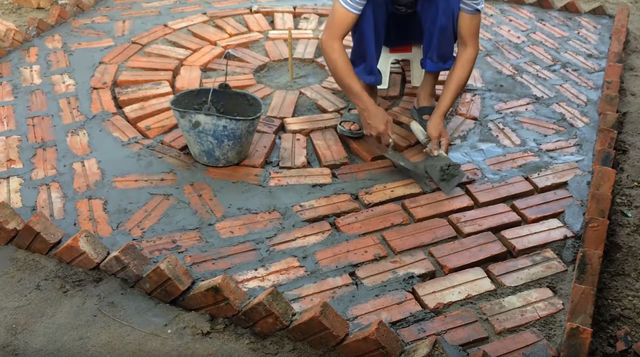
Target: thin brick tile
144	110
102	101
275	274
187	21
520	105
204	56
89	33
437	204
86	174
510	34
144	91
58	60
325	100
40	129
372	219
277	50
329	149
250	223
226	13
230	26
353	252
149	36
543	206
504	134
561	147
175	140
366	149
140	13
283	104
384	193
283	21
413	263
306	50
5	69
524	239
573	116
222	258
296	34
364	170
121	129
459	328
293	151
236	82
236	174
469	252
511	161
540	126
572	94
121	53
440	292
470	106
554	176
581	81
186	41
78	141
93	217
94	44
336	205
44	162
419	235
122	27
307	124
208	33
508	51
527	268
10	190
70	112
203	200
533	68
10	153
267	10
187	8
520	344
301	237
170	243
148	215
503	67
241	40
104	76
583	47
267	124
62	83
142	180
167	51
51	200
308	22
487	193
231	66
313	293
53	42
257	22
249	56
306	176
492	218
390	308
30	76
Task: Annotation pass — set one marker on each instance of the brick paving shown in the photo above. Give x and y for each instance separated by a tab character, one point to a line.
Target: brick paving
309	216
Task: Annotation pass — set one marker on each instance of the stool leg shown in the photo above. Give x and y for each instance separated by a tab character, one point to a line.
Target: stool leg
417	74
384	65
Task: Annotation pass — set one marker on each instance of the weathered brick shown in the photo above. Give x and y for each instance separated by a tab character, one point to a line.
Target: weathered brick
554	176
372	219
437	204
353	252
10	191
543	206
413	263
148	215
364	170
305	51
40	129
62	83
376	338
521	309
38	235
527	268
86	174
320	326
170	243
440	292
220	297
470	106
587	269
167	280
301	237
267	314
126	263
277	50
242	81
469	252
581	305
283	21
336	205
491	218
38	101
306	124
84	250
595	233
104	76
520	344
418	235
10	223
44	162
485	194
167	51
524	239
329	149
262	145
390	308
324	290
78	141
458	328
367	148
384	193
293	151
10	159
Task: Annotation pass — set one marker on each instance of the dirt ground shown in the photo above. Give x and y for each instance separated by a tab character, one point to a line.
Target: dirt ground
51	309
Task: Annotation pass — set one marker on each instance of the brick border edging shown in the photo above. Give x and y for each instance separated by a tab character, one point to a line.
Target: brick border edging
170	281
14	38
572	6
578	332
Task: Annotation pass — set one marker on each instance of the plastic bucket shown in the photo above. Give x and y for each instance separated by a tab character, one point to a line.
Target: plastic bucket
221	139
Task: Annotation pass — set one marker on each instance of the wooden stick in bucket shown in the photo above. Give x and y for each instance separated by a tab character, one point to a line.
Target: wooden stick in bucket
290	55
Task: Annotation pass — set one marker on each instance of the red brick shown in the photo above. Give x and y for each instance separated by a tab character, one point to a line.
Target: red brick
323	290
230	26
576	58
142	180
175	140
94	44
504	134
121	128
187	21
40	129
241	40
249	56
167	280
412	263
543	206
561	147
231	66
418	235
188	78
520	344
93	218
320	326
44	162
57	15
510	34
527	268
236	174
306	52
84	250
491	218
62	83
283	21
5	69
122	27
261	91
554	176
268	10
38	101
223	258
157	125
10	223
521	309
440	292
301	10
367	149
236	82
134	94
587	269
7	119
328	148
78	141
104	76
603	180
336	205
577	340
257	22
174	242
203	200
372	219
470	106
102	101
581	305
144	110
58	60
306	124
277	50
267	314
595	233
148	215
390	308
309	176
221	297
38	235
208	33
353	252
524	239
364	170
154	64
520	105
296	34
458	328
202	57
226	13
241	225
283	104
376	338
301	237
384	193
608	120
511	161
10	159
485	194
127	263
472	251
185	41
167	51
86	174
293	151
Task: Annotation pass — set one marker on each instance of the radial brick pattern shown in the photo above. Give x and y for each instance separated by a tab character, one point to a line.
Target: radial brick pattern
310	216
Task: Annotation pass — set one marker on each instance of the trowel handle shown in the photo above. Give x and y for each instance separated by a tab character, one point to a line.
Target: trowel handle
419	132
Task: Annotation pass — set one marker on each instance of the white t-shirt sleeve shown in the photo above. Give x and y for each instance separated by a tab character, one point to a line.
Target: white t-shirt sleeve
468	6
353	6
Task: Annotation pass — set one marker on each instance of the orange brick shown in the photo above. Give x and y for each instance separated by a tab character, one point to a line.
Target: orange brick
223	258
309	176
437	204
187	21
325	100
226	13
561	147
148	215
208	33
472	251
377	338
132	78
10	191
301	11
520	105
492	218
86	174
522	343
277	50
268	10
58	60
571	115
220	297
459	328
418	235
5	69
267	314
166	244
372	219
203	56
157	125
51	200
257	22
511	161
102	101
78	141
7	119
521	309
139	13
121	53
136	181
321	327
307	124
92	217
30	76
364	170
62	83
38	235
527	268
470	106
69	110
188	78
595	233
236	174
104	76
524	239
261	147
554	176
249	56
485	194
353	252
328	148
250	223
36	25
144	110
10	223
122	28
94	44
83	250
40	129
231	66
296	35
236	82
440	292
186	41
10	148
283	21
89	33
275	274
241	40
293	150
203	200
269	125
53	41
168	52
154	64
230	26
167	280
413	263
261	91
308	21
57	15
366	149
543	206
390	308
44	162
283	104
323	290
581	305
301	237
384	193
175	140
121	129
134	94
336	205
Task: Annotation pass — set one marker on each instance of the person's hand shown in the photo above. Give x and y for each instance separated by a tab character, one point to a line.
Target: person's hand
377	123
439	137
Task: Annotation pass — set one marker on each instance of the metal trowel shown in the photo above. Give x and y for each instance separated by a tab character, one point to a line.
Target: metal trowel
442	170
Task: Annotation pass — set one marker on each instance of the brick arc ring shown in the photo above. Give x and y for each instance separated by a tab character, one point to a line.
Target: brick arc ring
326	242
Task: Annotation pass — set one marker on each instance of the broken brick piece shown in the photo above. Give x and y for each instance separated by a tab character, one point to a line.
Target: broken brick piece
84	250
418	235
377	338
521	344
469	252
437	204
328	148
10	223
293	151
38	235
126	263
336	205
353	252
267	314
543	206
527	268
221	297
458	328
237	226
413	263
306	124
492	218
524	239
485	194
167	280
320	326
440	292
372	219
384	193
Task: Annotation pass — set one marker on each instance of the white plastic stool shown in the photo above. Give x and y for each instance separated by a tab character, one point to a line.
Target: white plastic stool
387	58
